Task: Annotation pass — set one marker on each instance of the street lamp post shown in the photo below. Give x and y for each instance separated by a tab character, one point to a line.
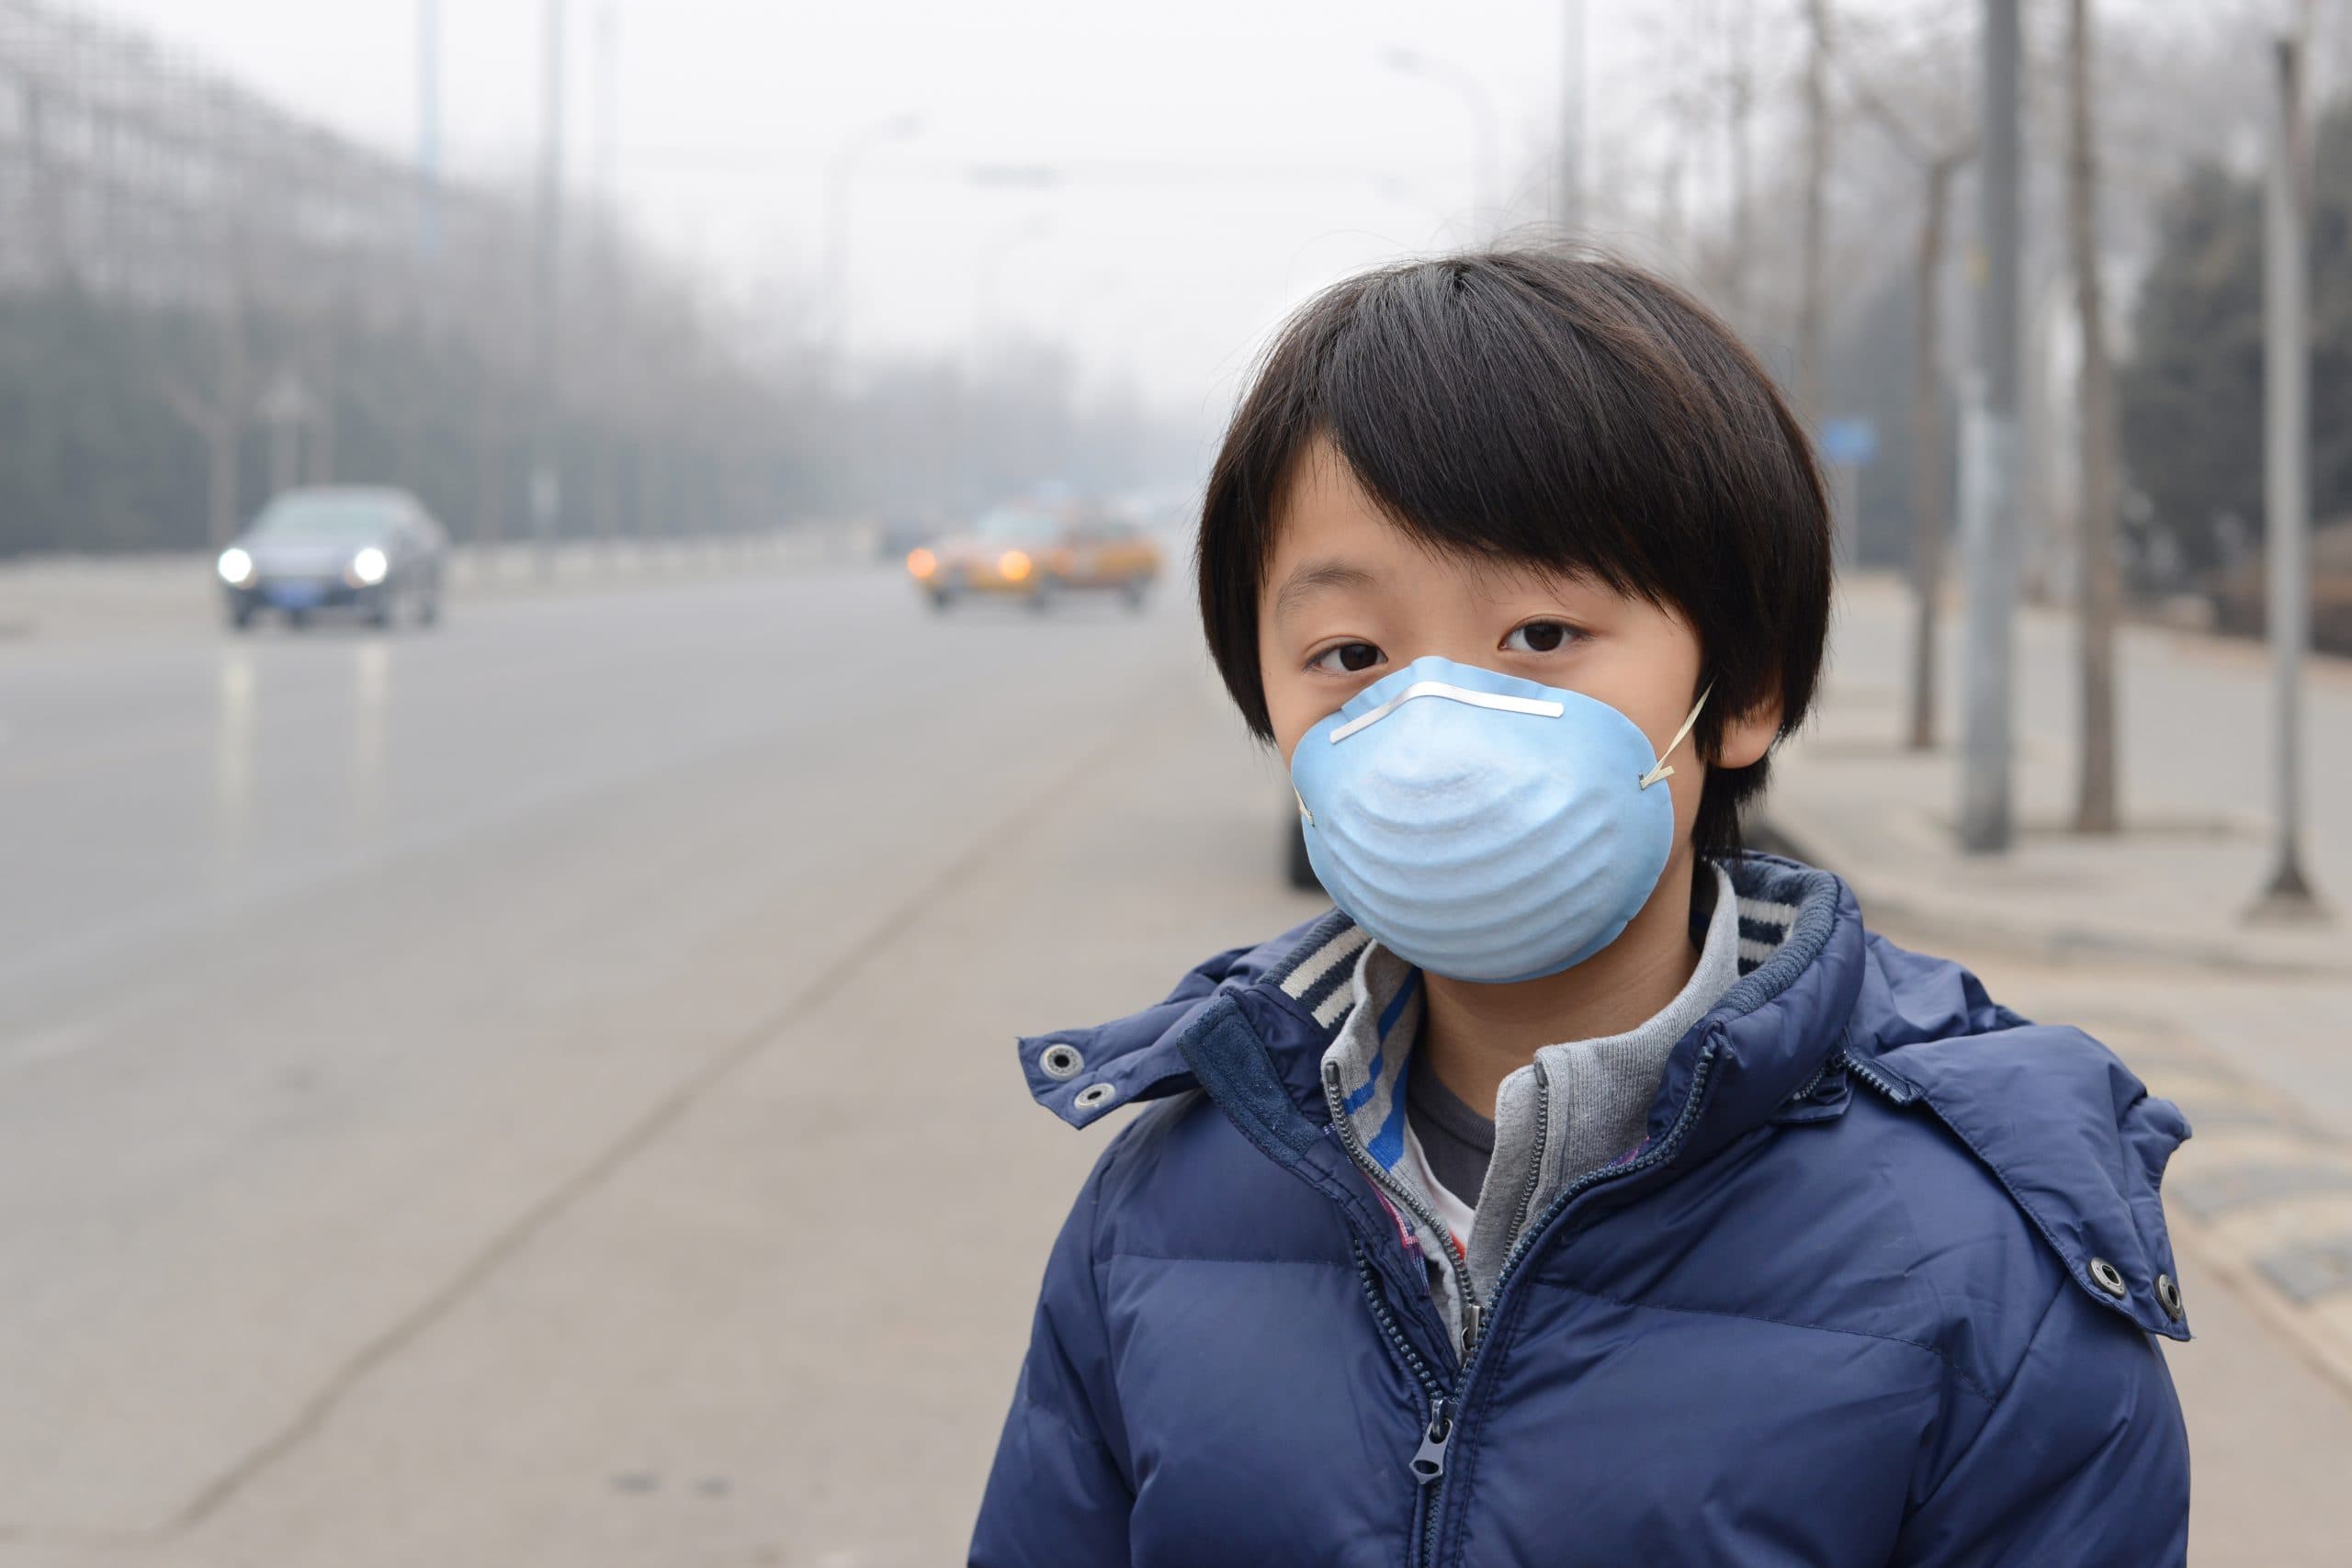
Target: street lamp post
2287	481
1989	476
546	492
838	176
1481	105
1568	192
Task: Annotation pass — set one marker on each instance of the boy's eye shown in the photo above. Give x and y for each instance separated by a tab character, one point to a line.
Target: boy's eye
1540	637
1347	659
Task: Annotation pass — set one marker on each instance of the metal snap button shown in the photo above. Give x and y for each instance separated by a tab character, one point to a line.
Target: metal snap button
1061	1061
1093	1094
2108	1277
2168	1296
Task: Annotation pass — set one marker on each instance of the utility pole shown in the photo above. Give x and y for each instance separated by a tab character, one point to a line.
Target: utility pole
1570	216
1989	515
2286	342
2097	809
546	498
604	287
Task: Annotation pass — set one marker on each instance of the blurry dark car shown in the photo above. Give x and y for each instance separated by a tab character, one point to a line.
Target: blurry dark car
374	552
2238	592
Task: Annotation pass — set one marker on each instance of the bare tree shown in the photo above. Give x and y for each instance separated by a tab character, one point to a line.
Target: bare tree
1939	156
218	414
1739	90
1817	183
2095	802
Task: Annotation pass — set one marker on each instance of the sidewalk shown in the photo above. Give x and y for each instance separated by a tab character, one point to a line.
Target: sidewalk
2174	887
2142	938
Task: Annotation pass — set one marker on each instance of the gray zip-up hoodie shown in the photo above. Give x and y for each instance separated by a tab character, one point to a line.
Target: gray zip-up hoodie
1579	1106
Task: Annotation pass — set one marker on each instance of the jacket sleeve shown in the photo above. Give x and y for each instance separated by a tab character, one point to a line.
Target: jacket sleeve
1059	1492
2083	1459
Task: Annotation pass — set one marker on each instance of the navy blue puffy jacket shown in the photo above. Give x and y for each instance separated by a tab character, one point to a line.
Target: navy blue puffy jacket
1879	1289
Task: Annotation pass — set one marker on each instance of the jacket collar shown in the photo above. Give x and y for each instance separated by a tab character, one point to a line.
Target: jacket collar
2068	1131
1800	950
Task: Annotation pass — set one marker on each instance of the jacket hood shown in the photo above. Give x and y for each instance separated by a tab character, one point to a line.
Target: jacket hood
2073	1136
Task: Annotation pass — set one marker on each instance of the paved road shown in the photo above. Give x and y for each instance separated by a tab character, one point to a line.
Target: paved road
540	1092
356	995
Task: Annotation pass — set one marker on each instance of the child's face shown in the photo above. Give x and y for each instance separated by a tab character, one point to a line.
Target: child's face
1349	597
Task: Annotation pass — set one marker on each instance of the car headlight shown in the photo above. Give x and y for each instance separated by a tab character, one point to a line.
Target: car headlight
921	562
236	567
1014	565
367	568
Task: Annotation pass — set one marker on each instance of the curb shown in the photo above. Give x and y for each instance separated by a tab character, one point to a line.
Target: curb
2049	943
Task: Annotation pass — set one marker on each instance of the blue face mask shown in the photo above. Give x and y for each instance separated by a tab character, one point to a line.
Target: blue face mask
1483	827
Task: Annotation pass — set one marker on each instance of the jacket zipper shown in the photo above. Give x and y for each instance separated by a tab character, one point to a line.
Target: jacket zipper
1429	1461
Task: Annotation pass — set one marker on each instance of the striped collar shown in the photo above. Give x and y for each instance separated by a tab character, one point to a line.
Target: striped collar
1294	991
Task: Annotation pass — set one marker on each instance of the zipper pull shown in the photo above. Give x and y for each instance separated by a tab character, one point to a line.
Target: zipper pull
1472	1324
1429	1463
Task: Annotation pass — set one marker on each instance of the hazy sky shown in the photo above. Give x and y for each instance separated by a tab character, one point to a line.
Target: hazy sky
1217	160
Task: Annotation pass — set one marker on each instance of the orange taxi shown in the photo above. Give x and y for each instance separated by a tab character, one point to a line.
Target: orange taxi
1037	554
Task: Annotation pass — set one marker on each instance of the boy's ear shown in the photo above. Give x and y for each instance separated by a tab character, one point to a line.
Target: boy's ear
1746	737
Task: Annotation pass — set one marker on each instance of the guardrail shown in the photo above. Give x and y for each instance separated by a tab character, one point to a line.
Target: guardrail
66	595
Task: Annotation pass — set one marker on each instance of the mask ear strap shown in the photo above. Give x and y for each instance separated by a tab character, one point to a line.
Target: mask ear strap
1662	770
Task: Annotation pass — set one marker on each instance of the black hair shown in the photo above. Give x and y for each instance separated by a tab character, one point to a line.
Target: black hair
1572	414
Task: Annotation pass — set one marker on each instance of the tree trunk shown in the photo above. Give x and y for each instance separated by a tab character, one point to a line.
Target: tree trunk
2095	805
225	438
1816	182
1740	87
328	370
1930	497
490	464
607	457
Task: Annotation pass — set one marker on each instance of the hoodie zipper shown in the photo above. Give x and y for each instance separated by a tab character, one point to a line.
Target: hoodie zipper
1445	1402
1344	1126
1536	1167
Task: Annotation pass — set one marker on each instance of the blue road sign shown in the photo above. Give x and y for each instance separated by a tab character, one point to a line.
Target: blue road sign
1850	441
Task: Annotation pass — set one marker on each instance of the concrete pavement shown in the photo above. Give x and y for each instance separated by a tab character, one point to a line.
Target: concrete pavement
2196	763
350	965
542	1092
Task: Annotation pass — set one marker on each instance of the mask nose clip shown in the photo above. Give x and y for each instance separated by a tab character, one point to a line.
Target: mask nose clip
1662	770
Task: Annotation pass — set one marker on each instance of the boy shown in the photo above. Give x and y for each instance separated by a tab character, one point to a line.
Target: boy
1581	1190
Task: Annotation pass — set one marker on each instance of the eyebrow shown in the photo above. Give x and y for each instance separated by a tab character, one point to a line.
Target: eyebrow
1312	577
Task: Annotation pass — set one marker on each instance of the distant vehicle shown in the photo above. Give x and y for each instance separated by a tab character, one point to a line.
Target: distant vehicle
2238	593
373	551
1037	553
